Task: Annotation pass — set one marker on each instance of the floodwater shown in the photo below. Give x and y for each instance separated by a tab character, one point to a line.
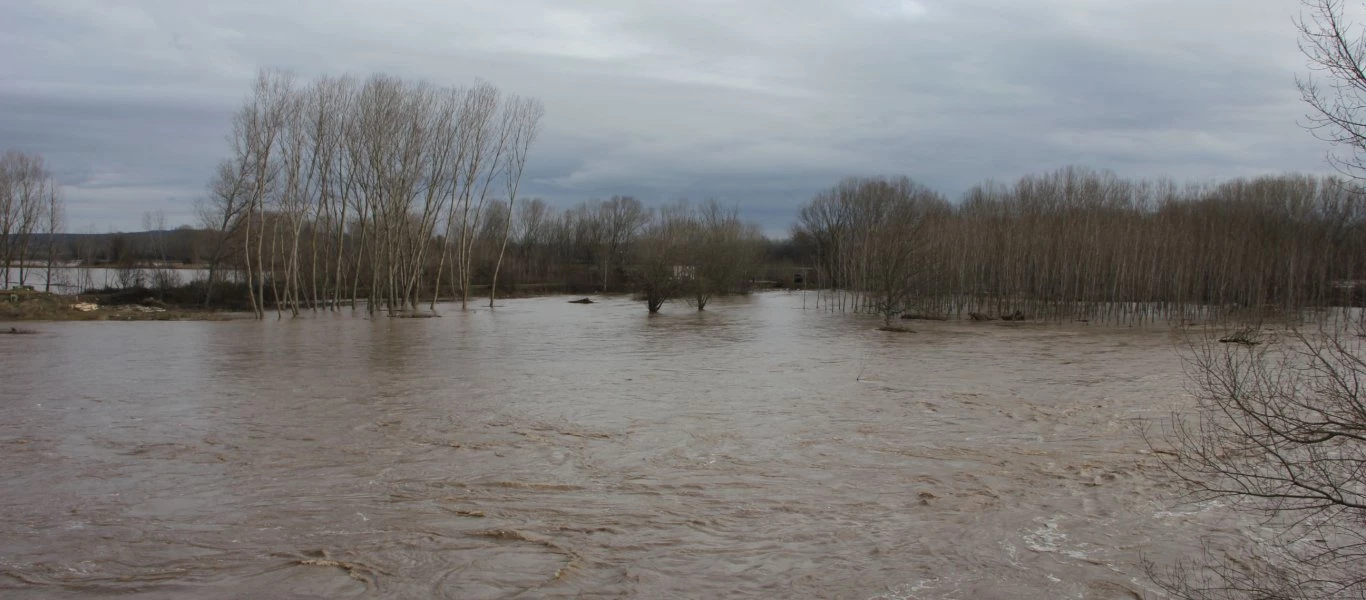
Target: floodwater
545	449
74	280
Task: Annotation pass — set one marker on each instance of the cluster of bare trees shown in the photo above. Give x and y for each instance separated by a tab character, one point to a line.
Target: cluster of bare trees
695	253
31	213
339	189
1082	244
869	237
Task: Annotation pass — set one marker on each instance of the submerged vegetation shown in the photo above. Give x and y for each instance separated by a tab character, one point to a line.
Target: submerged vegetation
1078	244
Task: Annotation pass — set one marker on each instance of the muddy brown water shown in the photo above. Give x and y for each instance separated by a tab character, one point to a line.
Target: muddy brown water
545	449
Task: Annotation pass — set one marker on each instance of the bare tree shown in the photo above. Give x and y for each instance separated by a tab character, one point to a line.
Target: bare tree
900	214
722	251
1337	97
163	277
54	223
257	128
659	270
532	225
27	201
1279	429
619	220
524	116
221	213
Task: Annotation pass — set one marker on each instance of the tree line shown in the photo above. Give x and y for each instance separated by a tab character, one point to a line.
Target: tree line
1080	244
1074	244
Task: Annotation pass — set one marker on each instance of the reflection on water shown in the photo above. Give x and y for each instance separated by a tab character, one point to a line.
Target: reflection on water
545	449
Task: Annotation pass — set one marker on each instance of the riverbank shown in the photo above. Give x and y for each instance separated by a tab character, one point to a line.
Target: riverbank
27	305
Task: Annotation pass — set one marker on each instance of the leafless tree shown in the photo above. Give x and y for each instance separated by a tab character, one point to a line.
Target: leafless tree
722	251
523	118
222	214
54	222
257	129
163	277
899	247
658	271
1279	429
28	202
1336	88
617	222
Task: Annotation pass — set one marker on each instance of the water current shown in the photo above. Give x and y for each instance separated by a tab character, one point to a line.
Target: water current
546	449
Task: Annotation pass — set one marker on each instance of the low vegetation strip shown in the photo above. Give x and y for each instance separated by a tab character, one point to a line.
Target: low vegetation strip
25	305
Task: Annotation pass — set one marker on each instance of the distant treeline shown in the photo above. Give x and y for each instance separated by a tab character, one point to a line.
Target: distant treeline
1082	244
1075	244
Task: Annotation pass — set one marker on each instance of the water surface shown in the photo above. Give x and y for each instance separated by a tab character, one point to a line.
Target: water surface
545	449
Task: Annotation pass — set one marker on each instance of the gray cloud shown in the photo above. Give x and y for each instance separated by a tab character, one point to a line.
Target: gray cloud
761	102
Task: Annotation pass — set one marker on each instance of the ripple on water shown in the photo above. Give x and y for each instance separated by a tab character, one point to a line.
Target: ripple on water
544	449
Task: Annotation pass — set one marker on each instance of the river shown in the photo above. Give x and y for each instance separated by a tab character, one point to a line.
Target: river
545	449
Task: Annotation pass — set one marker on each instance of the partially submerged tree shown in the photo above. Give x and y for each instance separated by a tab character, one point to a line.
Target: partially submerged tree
721	252
898	246
658	273
523	119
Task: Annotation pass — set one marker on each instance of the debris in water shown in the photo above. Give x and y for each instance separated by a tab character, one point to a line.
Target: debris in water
1246	337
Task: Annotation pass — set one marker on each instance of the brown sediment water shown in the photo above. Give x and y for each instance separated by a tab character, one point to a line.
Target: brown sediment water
545	449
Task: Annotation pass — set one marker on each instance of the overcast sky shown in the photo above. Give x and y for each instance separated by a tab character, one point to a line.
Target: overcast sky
755	102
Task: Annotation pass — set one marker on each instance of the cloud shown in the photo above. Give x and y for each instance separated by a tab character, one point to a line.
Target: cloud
761	102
